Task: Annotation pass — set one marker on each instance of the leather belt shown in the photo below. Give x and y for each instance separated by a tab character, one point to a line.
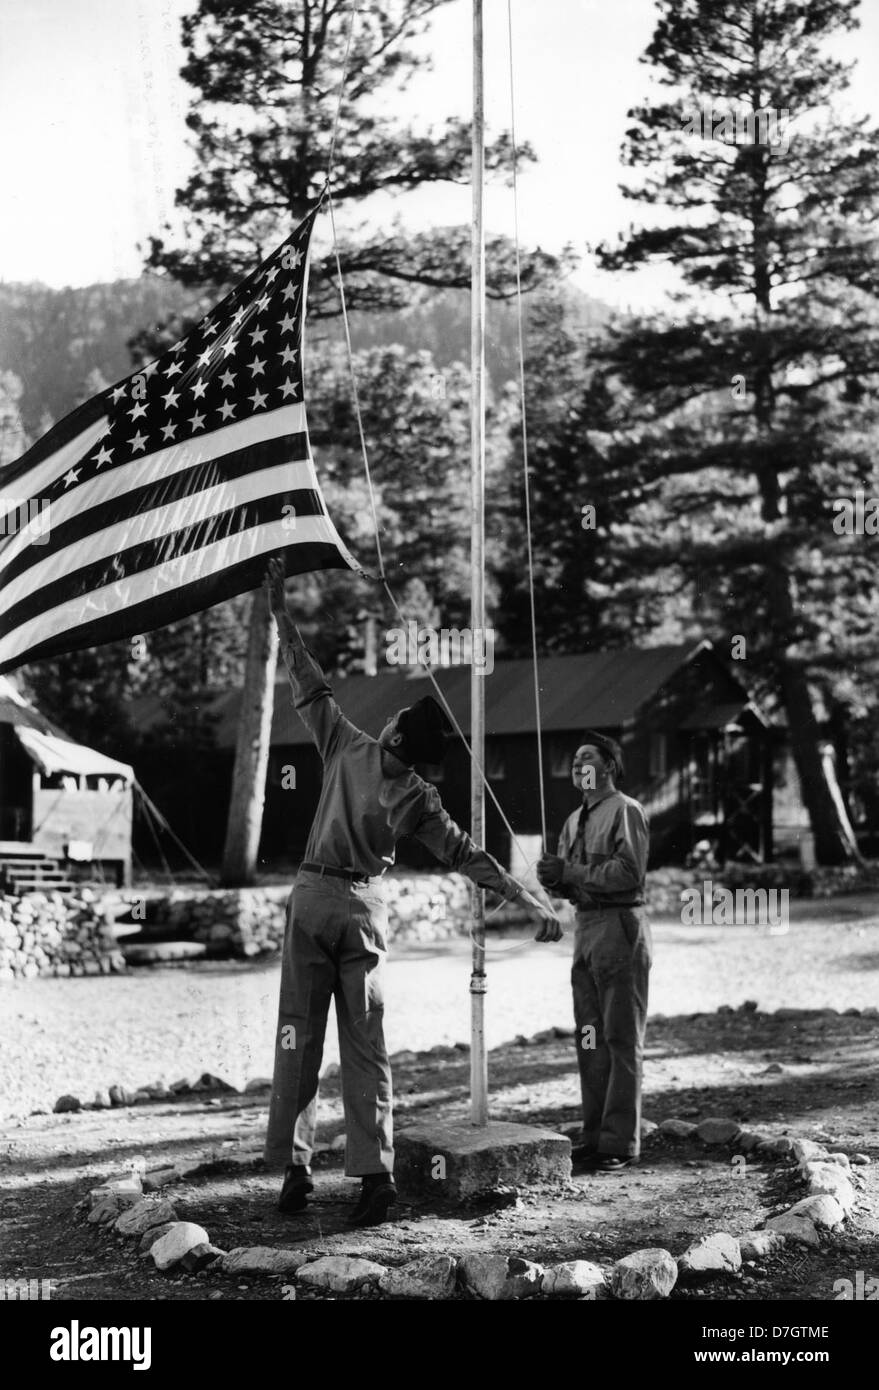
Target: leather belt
352	875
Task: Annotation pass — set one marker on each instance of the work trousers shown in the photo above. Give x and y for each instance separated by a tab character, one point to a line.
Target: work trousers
613	951
335	945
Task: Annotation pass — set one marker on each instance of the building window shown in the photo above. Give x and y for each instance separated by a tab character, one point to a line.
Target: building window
495	763
658	754
561	756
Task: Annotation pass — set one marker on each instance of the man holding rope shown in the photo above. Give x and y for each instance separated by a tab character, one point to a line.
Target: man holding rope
335	942
601	867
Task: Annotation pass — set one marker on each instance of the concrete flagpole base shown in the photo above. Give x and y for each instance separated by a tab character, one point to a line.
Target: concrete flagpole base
454	1160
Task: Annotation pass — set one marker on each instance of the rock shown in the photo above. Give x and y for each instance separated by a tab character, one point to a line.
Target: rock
151	1235
718	1130
647	1128
755	1245
104	1211
851	1013
677	1129
143	1215
748	1007
258	1083
263	1259
645	1274
546	1035
340	1273
126	1191
65	1103
432	1277
141	1097
798	1228
714	1254
574	1278
331	1071
775	1148
400	1059
840	1159
157	1178
828	1179
200	1256
120	1095
500	1277
748	1140
824	1212
773	1069
806	1149
338	1144
183	1236
101	1101
859	1159
180	1088
563	1031
208	1082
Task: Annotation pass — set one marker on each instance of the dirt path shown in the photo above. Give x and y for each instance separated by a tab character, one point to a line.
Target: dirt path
700	1065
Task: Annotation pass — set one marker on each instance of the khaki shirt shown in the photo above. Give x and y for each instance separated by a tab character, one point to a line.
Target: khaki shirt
610	865
363	811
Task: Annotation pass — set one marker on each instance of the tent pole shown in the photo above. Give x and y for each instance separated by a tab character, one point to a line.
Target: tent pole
478	1059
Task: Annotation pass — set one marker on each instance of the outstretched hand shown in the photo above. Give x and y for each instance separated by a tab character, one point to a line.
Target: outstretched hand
274	587
550	928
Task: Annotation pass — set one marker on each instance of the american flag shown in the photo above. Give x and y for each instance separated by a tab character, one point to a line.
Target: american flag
166	493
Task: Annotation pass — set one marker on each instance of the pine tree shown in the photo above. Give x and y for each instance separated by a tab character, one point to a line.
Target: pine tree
770	203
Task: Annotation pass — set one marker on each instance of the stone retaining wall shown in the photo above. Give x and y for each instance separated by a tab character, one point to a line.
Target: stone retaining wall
250	921
53	934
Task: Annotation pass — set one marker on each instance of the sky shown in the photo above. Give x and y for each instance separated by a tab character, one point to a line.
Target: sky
94	145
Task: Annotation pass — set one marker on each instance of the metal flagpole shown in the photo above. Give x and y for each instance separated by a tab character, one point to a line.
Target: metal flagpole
478	1059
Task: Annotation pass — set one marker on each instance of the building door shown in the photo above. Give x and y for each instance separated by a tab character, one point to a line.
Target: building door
742	798
16	787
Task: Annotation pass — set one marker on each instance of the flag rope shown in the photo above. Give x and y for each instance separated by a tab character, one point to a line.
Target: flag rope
529	864
526	471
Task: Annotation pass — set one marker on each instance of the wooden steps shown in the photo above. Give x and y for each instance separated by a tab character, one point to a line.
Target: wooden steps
26	869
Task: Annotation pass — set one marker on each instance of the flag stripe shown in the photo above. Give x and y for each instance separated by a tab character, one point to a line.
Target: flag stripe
126	547
206	561
44	642
20	487
215	476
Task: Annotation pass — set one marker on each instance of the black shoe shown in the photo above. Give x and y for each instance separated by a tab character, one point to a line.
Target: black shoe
297	1189
612	1163
583	1156
378	1193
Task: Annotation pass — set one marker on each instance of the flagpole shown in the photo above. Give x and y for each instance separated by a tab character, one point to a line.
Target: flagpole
478	1058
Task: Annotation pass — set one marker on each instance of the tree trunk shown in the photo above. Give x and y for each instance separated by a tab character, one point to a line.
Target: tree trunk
251	748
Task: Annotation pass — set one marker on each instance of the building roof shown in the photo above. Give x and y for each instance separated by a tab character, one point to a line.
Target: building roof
602	690
47	746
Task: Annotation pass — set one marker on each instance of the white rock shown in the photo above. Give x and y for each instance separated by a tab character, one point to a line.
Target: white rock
574	1277
715	1254
860	1159
645	1274
339	1273
500	1277
258	1083
776	1148
805	1150
126	1191
263	1259
144	1214
830	1180
339	1143
754	1245
798	1228
824	1212
432	1277
647	1128
677	1129
331	1070
183	1236
842	1160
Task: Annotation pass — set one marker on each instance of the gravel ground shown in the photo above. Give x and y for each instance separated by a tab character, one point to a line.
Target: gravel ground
81	1034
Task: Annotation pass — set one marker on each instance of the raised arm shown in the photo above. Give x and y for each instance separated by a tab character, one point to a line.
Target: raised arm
312	694
453	846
